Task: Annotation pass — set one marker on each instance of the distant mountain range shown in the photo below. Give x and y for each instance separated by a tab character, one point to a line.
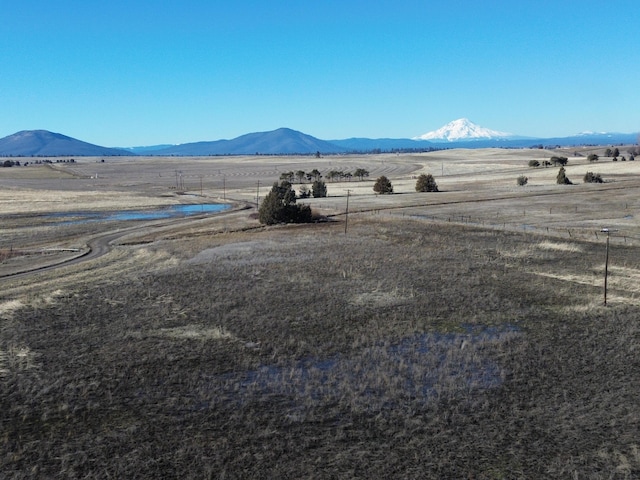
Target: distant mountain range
461	133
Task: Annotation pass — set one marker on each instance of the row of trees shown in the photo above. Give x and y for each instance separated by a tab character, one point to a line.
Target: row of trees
562	179
315	175
562	161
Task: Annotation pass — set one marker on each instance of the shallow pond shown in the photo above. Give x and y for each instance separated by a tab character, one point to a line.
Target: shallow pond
173	211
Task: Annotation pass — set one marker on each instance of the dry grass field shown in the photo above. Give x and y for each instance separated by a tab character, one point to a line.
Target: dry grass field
459	334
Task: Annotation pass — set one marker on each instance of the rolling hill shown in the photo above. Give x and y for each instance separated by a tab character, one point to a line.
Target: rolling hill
280	141
42	143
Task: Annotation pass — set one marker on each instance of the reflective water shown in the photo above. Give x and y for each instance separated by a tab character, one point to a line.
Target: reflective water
403	374
172	211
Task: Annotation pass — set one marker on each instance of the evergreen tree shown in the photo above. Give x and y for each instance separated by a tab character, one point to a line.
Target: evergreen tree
279	206
383	185
562	179
319	189
426	183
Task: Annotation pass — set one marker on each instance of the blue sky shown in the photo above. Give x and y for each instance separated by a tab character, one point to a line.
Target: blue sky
129	73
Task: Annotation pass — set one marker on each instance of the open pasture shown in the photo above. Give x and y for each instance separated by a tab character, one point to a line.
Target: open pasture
445	335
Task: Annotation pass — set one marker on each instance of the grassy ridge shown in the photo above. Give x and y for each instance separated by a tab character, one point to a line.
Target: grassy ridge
404	350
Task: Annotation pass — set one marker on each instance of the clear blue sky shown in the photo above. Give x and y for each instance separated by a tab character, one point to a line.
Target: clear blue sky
129	73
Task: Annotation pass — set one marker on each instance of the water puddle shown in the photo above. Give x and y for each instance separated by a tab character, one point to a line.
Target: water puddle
414	370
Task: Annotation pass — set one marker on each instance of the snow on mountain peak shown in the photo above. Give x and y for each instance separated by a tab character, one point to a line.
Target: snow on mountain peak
461	130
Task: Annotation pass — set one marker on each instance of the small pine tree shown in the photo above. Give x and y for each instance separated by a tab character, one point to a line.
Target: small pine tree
318	189
426	183
383	185
522	180
562	179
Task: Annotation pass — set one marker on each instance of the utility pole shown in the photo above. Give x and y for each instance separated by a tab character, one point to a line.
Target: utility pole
346	215
258	195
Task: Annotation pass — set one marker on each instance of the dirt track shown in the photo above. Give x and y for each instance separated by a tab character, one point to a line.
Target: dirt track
100	244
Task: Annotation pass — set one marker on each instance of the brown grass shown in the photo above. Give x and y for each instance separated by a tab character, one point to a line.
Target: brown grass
408	348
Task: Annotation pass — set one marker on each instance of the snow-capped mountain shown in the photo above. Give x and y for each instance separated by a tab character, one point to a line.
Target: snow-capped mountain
462	130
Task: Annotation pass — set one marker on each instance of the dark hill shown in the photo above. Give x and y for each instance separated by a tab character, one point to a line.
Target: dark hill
280	141
42	143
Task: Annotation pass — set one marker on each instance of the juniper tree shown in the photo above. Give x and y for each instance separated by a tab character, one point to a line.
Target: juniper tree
383	185
279	206
426	183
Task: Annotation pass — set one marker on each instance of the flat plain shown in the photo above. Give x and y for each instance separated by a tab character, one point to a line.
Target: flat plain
457	334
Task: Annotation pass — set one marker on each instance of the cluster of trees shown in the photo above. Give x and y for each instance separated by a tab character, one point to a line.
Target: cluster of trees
301	175
562	179
318	190
555	160
562	161
591	177
615	152
16	163
315	175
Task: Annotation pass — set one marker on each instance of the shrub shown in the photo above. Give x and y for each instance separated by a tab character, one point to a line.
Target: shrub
319	189
522	180
383	185
426	183
279	206
591	177
534	163
593	157
562	161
